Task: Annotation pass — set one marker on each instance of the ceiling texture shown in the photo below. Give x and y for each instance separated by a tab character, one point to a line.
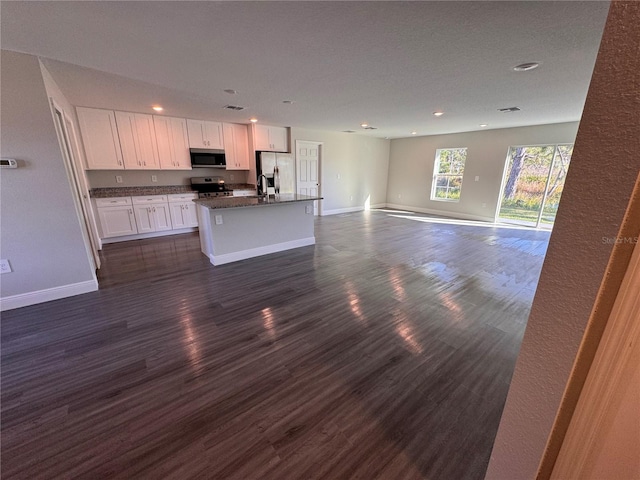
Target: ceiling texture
389	64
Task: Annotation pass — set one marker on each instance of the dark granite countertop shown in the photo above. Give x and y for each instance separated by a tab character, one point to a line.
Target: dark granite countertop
139	191
254	201
108	192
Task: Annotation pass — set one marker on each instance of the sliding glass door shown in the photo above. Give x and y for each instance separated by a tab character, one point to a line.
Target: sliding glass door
533	184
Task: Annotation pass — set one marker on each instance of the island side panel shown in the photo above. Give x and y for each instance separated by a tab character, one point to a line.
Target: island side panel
254	231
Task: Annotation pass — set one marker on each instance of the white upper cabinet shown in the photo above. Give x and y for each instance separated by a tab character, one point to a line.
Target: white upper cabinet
173	143
205	134
138	141
269	138
100	138
236	141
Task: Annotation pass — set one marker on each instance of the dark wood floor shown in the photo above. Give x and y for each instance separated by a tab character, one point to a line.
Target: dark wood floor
385	351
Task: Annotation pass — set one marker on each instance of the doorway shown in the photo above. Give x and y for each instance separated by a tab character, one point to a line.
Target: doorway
308	161
64	129
533	184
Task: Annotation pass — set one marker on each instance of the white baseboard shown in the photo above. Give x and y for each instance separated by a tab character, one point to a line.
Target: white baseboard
140	236
41	296
442	213
341	210
259	251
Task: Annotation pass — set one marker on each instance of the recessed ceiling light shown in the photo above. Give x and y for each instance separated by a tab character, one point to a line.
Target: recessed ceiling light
230	91
253	120
484	125
157	108
525	67
414	133
438	113
288	102
364	125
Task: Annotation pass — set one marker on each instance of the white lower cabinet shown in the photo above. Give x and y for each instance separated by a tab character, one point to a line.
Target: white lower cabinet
116	217
152	213
183	210
122	216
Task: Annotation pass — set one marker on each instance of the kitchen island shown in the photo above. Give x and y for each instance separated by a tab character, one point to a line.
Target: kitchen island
237	228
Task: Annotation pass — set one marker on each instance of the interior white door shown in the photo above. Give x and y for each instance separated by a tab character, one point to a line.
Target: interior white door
308	170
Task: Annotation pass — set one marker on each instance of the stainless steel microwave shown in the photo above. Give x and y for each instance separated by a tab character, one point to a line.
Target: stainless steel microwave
207	158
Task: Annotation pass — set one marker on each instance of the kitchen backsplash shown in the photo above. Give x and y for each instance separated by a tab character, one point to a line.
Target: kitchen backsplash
139	178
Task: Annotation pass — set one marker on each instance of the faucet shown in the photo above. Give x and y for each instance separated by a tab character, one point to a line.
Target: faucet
263	185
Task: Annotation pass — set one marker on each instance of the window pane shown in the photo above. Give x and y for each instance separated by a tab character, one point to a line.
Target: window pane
449	170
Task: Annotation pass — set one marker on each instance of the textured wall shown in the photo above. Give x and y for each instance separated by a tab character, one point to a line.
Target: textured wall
354	167
579	259
41	234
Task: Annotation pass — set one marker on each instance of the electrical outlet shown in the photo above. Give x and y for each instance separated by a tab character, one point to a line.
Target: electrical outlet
218	219
351	197
230	177
308	209
337	176
154	178
484	205
118	178
399	195
4	266
477	178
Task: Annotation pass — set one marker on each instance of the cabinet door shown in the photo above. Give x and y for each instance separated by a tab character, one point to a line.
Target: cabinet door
164	137
229	146
190	215
214	137
261	137
127	132
100	138
197	133
180	143
146	141
161	217
173	143
177	215
144	218
117	221
241	139
278	139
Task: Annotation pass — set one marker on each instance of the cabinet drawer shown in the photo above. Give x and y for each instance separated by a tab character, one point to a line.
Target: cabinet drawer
182	197
149	199
113	201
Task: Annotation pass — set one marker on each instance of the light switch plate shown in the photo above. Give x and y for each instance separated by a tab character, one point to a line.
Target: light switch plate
477	178
5	267
154	178
118	178
218	219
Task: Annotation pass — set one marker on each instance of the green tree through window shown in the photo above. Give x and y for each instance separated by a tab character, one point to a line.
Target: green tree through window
447	174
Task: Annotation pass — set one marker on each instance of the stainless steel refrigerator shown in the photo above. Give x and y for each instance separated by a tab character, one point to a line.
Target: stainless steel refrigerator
267	161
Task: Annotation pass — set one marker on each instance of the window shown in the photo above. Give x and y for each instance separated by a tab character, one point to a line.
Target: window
447	174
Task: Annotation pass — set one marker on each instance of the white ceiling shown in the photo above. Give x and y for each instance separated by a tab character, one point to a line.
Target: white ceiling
390	64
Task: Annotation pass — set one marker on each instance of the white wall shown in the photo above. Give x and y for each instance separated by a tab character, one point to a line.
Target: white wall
412	160
361	163
39	227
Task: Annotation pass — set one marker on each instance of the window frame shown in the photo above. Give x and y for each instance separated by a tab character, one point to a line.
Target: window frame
437	174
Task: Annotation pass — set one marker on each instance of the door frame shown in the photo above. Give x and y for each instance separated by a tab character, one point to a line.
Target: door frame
320	146
79	193
544	198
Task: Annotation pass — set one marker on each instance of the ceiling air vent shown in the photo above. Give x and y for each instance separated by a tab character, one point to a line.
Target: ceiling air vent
509	109
369	127
233	107
348	131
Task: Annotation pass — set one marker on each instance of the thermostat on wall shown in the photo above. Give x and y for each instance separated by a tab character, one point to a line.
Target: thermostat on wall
8	163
